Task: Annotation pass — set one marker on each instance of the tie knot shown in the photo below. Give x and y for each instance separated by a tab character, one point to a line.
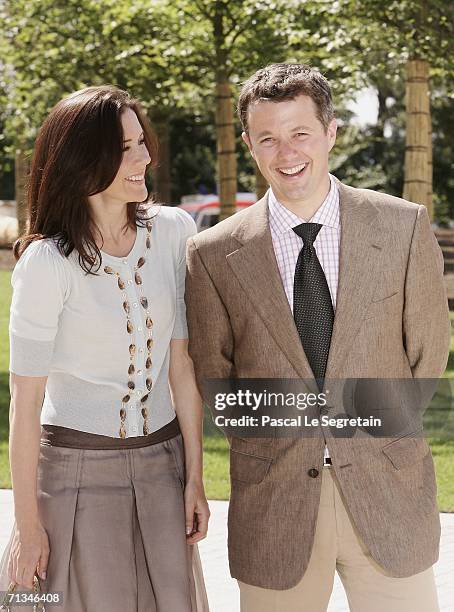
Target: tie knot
308	232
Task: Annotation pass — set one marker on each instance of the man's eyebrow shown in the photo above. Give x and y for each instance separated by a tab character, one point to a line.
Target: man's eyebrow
129	139
295	129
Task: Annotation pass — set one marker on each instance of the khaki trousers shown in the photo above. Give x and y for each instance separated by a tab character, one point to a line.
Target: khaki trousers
337	546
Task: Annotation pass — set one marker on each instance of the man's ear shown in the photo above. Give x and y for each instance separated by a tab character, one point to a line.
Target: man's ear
247	140
331	133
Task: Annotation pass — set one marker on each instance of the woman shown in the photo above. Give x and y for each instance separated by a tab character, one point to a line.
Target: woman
108	492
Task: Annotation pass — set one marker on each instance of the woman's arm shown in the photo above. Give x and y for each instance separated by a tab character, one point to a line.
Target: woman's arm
188	407
30	546
41	286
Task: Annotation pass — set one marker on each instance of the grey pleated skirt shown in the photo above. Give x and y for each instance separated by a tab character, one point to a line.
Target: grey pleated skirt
116	526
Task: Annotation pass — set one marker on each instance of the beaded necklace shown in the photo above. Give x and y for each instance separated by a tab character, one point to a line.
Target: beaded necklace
143	300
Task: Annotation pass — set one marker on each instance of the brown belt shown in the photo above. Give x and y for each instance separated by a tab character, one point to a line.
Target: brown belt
54	435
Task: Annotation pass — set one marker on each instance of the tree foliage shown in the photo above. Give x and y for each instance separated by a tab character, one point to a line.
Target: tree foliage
171	54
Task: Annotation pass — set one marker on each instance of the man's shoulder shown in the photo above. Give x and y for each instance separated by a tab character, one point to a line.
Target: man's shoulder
394	214
385	202
221	233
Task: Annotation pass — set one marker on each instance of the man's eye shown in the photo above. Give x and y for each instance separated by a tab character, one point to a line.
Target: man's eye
302	134
269	139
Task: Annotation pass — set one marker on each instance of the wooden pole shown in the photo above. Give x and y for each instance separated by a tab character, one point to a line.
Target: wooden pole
417	179
261	186
225	126
21	171
226	153
161	174
430	202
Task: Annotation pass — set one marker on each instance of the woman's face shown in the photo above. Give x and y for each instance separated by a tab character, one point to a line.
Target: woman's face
129	183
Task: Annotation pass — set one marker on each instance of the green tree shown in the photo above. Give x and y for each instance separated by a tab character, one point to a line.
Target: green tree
54	47
413	40
217	44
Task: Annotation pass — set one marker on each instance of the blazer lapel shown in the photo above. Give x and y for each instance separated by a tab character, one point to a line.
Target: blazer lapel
254	264
361	246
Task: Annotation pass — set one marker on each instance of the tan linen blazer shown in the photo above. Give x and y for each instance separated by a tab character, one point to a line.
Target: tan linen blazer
391	321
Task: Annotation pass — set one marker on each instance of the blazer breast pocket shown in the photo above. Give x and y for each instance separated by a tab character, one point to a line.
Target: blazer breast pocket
383	304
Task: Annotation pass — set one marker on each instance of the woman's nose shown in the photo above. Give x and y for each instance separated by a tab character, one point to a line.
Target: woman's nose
145	155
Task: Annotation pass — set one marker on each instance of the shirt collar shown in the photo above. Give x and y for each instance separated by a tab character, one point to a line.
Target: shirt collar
283	220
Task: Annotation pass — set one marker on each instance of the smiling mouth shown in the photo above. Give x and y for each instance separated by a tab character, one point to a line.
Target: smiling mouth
135	178
293	171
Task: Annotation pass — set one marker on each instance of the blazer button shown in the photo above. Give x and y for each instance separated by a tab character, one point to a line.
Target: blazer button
313	473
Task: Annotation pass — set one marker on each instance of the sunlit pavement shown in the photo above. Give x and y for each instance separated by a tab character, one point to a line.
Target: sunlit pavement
222	589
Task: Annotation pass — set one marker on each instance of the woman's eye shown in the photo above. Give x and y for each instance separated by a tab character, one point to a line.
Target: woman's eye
141	142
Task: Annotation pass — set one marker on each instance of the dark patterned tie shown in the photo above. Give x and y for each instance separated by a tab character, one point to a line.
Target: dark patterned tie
312	307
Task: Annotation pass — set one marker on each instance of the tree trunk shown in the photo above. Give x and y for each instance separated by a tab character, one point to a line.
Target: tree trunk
261	185
430	203
21	171
225	126
417	179
225	140
161	174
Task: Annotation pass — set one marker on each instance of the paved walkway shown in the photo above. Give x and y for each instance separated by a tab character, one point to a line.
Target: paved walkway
223	591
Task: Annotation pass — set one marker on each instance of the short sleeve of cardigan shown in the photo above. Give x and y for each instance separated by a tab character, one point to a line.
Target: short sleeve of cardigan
40	287
186	229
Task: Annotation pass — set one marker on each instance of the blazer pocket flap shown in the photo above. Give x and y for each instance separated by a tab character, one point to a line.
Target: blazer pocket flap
248	468
406	451
382	298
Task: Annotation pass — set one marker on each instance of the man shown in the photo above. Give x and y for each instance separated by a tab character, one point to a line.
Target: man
321	280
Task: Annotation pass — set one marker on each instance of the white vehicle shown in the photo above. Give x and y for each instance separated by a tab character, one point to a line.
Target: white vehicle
204	209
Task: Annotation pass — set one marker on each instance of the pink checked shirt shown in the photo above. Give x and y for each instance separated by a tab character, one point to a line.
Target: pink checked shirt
287	245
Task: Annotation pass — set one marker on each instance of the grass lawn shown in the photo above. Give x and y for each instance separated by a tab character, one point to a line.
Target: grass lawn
215	445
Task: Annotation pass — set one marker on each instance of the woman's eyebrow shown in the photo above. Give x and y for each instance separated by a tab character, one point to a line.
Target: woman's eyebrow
128	139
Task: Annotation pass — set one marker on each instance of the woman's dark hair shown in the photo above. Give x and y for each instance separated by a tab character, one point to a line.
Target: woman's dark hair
77	154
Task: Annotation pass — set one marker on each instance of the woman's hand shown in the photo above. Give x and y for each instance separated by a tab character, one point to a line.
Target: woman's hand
197	512
188	406
29	554
30	545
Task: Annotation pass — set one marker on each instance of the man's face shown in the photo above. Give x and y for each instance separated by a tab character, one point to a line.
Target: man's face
291	147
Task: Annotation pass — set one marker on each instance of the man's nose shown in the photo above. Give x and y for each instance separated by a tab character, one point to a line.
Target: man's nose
287	150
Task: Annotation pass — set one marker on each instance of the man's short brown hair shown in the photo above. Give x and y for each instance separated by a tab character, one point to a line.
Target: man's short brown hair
279	82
